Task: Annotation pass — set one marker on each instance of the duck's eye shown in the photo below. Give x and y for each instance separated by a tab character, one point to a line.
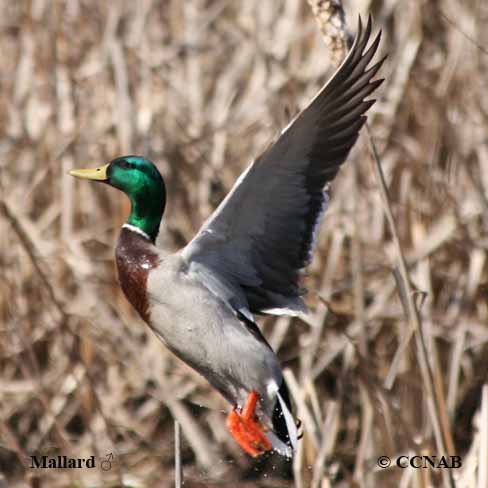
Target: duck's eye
126	164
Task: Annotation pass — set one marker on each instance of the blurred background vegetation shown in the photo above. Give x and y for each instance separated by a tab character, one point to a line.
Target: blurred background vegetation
201	87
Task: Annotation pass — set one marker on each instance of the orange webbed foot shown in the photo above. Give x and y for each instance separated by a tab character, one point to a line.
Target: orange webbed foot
247	430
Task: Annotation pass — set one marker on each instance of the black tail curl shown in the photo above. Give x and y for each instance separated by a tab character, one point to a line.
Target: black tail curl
279	424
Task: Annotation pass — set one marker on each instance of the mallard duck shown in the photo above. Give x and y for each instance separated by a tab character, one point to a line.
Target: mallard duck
247	257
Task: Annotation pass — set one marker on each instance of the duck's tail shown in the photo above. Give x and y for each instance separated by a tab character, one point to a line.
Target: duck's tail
284	436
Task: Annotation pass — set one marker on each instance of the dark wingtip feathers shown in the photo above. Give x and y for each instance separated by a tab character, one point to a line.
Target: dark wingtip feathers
341	109
354	76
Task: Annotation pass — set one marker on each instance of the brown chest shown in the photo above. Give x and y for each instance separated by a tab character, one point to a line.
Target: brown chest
135	258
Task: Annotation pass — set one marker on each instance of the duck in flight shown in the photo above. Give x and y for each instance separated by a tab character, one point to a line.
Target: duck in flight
247	257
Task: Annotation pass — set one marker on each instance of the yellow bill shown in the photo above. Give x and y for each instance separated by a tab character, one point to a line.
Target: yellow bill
99	174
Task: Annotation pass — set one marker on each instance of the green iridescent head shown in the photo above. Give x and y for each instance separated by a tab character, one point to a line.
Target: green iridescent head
141	181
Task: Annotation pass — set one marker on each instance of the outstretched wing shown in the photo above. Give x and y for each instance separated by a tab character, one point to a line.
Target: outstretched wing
254	245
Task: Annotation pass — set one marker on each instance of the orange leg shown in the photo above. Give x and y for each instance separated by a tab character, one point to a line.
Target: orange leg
247	430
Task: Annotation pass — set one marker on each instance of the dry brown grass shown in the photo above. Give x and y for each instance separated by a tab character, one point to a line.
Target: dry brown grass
201	87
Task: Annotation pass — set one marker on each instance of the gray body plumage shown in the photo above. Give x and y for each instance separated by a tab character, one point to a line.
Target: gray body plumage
248	256
204	331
